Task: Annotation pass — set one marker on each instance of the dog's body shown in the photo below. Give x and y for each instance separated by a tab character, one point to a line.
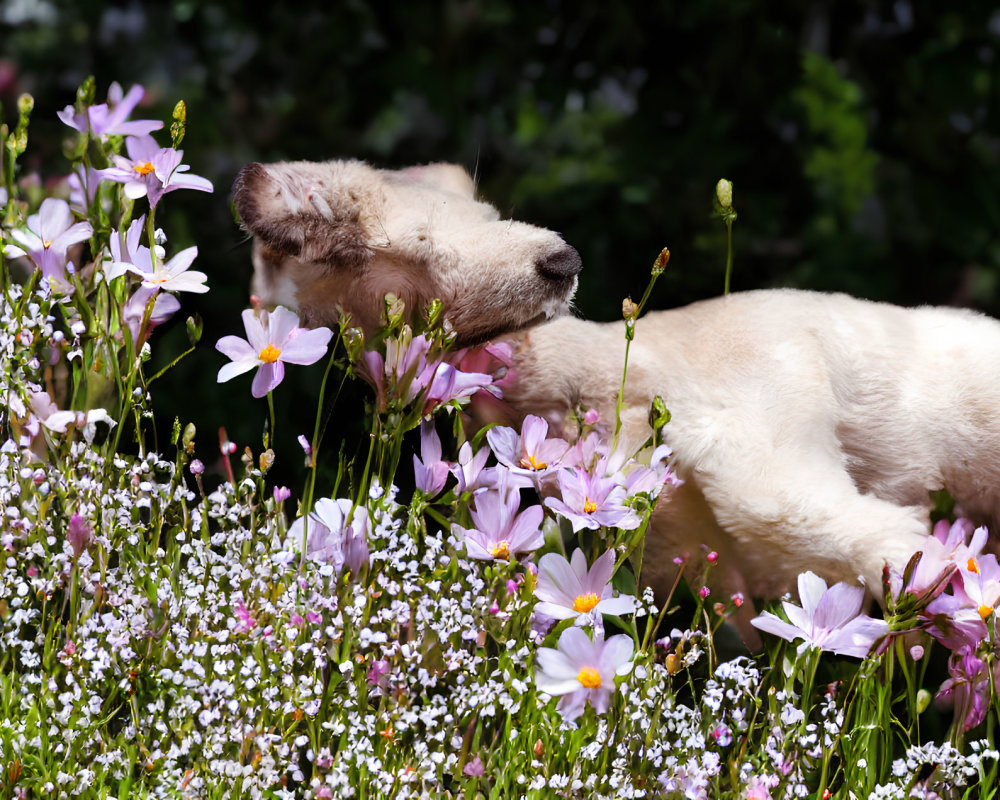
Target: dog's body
809	429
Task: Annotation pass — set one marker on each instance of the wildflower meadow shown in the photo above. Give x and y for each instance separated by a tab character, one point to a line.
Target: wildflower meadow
455	613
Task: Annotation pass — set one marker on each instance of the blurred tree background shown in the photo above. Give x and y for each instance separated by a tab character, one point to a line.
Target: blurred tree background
862	138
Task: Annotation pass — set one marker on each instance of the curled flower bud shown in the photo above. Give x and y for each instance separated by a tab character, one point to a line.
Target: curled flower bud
629	309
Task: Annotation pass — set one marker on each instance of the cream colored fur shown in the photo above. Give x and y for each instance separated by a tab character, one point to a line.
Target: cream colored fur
809	428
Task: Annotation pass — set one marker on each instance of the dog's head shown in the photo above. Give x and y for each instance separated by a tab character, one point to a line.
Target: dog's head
341	233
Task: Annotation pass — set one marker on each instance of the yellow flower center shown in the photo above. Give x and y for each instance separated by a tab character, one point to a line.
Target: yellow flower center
590	506
46	243
501	550
589	678
972	566
144	169
985	611
530	462
585	602
269	354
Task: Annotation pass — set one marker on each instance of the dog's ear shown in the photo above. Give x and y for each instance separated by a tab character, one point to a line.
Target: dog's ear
313	211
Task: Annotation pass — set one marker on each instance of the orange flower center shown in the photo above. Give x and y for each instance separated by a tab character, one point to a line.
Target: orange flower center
269	354
589	678
501	550
46	243
585	602
972	566
985	611
530	462
590	506
144	169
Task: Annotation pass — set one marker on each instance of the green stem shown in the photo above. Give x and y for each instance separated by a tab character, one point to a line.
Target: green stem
729	254
270	408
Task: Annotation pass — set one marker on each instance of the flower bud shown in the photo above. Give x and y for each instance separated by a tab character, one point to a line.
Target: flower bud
79	534
661	262
266	460
923	700
629	309
724	193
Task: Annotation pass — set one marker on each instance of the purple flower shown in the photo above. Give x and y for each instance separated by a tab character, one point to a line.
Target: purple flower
83	183
580	670
152	171
247	622
377	673
943	553
451	384
469	472
474	768
406	371
79	534
272	339
529	454
172	275
164	307
829	619
567	589
281	494
500	531
968	688
429	470
592	502
959	620
51	232
335	534
110	118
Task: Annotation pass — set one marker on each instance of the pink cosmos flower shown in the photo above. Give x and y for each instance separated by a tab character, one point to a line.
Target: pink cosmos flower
272	340
430	472
592	502
500	531
530	454
335	534
151	171
580	670
829	619
51	232
110	118
567	589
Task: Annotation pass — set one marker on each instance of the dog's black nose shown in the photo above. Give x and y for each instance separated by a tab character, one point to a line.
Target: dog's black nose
565	263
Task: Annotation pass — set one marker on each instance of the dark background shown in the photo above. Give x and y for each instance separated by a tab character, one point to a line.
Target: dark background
862	138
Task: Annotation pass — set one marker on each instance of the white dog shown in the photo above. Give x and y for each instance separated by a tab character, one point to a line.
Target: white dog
809	429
